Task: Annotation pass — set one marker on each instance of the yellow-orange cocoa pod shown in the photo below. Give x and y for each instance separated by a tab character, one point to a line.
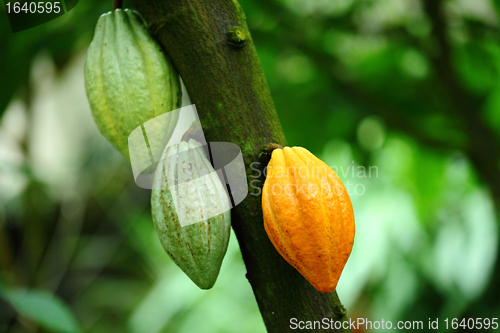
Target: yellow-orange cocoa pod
308	216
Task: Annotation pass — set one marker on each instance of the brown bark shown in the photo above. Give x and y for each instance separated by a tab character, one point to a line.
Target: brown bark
211	47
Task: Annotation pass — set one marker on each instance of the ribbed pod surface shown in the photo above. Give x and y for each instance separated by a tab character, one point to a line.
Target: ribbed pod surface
187	191
308	216
128	79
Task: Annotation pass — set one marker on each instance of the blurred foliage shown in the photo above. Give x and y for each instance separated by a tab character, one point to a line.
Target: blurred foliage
42	307
400	97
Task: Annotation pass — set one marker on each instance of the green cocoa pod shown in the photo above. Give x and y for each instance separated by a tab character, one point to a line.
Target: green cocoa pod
129	80
191	212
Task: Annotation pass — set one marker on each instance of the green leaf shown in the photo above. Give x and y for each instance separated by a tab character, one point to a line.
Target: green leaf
43	308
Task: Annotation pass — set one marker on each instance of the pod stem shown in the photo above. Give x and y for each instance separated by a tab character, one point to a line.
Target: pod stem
272	146
117	4
186	135
194	132
268	149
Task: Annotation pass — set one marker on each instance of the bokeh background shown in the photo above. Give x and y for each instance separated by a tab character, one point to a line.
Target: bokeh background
400	97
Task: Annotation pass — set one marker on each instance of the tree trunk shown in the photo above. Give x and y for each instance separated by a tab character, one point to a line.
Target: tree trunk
211	47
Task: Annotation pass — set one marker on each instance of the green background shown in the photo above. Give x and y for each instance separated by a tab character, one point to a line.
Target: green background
400	97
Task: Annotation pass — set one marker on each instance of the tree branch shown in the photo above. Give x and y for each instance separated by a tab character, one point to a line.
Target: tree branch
355	91
224	79
483	148
373	102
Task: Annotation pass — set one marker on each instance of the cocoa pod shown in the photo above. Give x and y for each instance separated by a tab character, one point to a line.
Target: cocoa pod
129	80
191	212
308	216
